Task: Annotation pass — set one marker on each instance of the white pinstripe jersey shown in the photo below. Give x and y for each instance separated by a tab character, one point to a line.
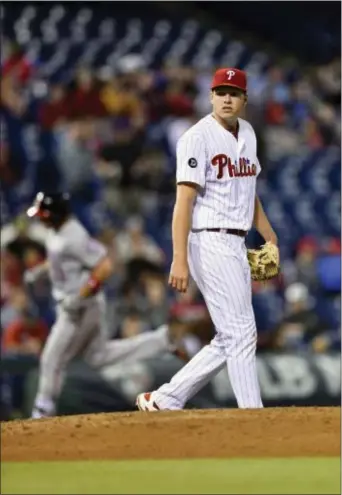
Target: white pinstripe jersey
226	170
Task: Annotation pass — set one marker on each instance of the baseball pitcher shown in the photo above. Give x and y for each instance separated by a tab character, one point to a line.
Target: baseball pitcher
216	206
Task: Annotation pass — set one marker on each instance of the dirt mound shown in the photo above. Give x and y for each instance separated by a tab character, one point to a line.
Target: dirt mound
191	433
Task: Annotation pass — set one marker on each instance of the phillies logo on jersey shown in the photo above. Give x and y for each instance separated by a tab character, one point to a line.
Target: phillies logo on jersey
242	169
230	74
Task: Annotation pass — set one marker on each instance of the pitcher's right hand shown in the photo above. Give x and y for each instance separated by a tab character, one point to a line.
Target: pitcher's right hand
179	275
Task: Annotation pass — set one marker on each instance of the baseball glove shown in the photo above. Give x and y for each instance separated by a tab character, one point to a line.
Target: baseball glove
264	262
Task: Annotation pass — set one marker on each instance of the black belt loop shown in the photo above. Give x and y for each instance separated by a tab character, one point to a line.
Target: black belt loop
238	232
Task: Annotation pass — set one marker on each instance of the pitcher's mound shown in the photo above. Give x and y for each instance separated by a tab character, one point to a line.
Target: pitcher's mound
191	433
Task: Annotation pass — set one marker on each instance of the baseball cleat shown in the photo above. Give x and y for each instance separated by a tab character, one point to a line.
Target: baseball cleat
145	402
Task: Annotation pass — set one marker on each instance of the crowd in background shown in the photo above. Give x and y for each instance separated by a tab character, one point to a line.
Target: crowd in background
111	136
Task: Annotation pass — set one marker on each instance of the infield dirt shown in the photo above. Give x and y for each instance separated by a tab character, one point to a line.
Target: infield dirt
272	432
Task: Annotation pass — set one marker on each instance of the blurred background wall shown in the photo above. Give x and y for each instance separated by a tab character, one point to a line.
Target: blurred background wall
93	99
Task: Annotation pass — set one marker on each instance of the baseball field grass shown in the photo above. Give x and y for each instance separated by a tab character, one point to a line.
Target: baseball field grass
230	476
281	451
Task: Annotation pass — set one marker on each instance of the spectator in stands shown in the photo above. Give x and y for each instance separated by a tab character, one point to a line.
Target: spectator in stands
76	154
312	135
301	95
84	99
25	336
13	99
328	124
55	110
332	246
16	64
119	97
152	89
149	169
156	299
11	270
28	250
133	242
305	261
20	245
301	325
22	239
26	333
9	308
127	124
178	102
278	97
129	298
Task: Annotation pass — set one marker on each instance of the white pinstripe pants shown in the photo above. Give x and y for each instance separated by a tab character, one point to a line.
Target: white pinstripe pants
218	264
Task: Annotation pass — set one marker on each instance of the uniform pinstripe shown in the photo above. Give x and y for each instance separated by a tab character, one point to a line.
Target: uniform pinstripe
226	170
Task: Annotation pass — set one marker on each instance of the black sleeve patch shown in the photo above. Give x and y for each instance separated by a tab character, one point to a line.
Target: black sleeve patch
192	162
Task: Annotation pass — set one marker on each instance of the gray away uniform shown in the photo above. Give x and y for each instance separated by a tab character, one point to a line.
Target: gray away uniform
72	254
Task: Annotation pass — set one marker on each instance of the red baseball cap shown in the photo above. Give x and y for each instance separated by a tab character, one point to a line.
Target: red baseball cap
230	77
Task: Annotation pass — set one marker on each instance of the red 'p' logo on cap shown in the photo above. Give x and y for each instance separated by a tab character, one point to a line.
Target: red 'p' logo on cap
230	76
